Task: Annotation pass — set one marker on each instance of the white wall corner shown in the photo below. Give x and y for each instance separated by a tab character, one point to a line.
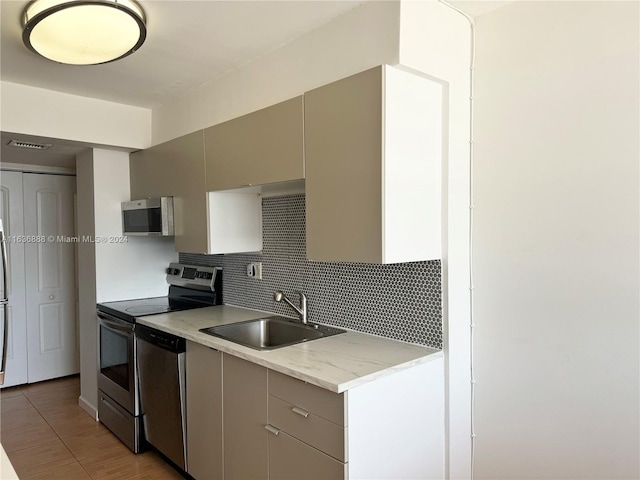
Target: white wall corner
435	41
87	320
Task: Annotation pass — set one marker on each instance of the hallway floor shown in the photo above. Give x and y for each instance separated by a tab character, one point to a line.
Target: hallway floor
48	436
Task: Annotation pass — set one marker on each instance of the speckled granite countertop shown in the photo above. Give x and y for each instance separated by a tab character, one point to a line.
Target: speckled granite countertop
336	363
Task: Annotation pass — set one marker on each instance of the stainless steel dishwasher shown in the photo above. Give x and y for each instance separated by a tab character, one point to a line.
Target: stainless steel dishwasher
161	376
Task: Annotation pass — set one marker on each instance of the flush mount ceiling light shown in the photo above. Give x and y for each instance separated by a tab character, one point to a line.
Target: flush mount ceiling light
83	32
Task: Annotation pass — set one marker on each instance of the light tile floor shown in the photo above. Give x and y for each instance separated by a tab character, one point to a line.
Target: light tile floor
48	436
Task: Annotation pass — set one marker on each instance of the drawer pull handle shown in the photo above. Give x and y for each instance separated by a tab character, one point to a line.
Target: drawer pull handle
300	411
272	429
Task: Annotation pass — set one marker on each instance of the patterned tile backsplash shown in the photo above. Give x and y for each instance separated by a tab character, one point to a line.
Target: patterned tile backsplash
400	301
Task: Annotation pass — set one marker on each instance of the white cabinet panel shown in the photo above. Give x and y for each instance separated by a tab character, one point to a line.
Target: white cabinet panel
396	425
234	221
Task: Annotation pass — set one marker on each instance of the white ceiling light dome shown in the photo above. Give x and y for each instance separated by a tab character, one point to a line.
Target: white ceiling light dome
83	32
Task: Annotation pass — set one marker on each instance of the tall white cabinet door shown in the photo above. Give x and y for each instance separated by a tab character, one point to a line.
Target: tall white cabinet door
11	213
50	276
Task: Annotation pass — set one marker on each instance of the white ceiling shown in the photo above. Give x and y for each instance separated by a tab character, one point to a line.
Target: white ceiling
189	43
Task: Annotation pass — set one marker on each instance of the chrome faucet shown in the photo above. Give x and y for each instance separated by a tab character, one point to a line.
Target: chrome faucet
302	310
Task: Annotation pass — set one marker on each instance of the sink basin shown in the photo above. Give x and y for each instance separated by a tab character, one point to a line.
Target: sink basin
271	332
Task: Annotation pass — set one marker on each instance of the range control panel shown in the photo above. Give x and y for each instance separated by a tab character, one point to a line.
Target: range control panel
192	276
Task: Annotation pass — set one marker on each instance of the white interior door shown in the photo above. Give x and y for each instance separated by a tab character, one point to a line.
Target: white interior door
11	212
50	276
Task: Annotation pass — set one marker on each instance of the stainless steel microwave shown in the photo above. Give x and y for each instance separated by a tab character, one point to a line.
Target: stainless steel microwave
148	217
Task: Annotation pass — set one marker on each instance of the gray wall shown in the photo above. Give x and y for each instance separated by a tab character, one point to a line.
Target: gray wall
400	301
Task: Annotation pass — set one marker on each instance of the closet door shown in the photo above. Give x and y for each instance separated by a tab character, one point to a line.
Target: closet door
50	276
11	212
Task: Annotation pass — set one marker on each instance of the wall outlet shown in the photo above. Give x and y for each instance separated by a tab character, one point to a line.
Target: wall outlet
254	270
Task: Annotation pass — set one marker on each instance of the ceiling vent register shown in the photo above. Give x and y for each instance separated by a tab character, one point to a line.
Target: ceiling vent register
33	146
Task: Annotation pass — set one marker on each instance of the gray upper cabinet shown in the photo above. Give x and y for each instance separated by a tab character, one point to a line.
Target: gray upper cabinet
373	156
260	148
148	172
176	168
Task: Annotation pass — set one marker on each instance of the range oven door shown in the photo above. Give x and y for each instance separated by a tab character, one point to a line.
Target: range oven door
117	376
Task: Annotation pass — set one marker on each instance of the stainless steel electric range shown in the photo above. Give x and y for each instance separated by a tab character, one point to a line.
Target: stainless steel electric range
119	398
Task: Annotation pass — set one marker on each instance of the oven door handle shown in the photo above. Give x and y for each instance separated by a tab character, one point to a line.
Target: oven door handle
114	323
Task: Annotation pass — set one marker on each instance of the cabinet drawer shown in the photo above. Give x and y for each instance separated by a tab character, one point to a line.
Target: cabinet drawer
313	399
291	459
308	427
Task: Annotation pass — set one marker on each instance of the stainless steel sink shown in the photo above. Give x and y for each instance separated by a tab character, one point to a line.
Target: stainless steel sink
270	332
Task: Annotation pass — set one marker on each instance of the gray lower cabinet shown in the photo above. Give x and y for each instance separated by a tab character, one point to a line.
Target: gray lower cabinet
245	416
230	401
307	427
245	421
292	459
204	412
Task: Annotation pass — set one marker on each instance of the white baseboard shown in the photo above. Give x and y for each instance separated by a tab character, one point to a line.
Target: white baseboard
87	407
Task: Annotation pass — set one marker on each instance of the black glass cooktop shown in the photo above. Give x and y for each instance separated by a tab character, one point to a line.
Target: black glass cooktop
179	298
